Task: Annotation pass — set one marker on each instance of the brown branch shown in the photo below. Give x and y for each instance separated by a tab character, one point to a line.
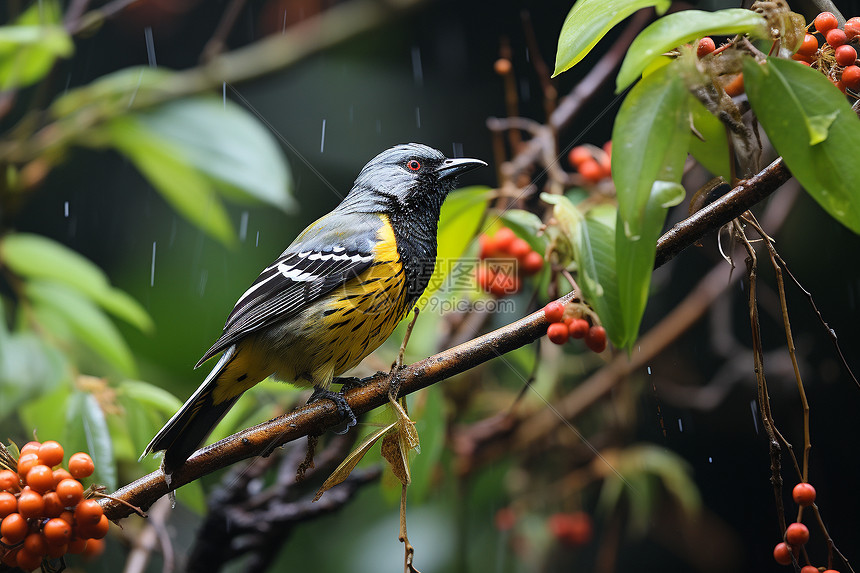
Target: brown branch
316	418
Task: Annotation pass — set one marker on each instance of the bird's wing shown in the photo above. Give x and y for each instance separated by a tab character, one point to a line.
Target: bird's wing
322	258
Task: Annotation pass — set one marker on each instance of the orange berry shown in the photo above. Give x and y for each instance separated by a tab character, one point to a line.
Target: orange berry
851	77
28	561
504	284
809	569
35	543
705	47
796	534
30	503
809	46
88	512
8	504
554	311
802	59
836	37
825	22
81	465
504	237
27	462
68	517
485	276
14	528
99	530
51	453
488	248
803	494
40	478
845	55
95	547
532	263
852	27
9	481
579	155
736	86
57	551
57	531
503	66
60	474
520	248
30	448
782	554
77	545
578	328
53	506
557	333
70	492
591	170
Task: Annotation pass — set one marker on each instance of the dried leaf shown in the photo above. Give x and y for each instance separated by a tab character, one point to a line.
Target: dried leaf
348	464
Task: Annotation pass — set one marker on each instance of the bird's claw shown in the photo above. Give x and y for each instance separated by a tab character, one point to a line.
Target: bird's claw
342	408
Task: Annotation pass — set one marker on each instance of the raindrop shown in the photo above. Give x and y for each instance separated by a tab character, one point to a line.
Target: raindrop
152	269
710	460
224	94
150	47
458	149
66	209
417	72
257	242
243	226
649	370
528	56
680	425
284	29
322	137
418	117
754	411
204	276
134	93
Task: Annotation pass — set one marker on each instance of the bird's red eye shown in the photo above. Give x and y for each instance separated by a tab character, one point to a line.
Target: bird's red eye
413	165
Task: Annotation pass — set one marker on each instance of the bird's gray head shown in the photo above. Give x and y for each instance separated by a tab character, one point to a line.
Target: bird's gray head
407	177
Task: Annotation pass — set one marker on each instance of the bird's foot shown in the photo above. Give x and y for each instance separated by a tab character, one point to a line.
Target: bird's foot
350	382
342	408
394	381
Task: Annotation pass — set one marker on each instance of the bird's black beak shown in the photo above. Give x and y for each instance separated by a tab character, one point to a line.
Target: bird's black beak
454	167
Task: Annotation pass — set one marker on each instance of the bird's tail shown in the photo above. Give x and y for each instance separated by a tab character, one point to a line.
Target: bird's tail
190	426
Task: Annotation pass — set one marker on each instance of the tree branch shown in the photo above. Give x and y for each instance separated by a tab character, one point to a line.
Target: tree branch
316	418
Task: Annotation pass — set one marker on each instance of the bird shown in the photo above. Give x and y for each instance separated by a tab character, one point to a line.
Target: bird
331	298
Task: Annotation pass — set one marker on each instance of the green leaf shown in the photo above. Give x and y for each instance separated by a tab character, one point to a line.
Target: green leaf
37	257
459	220
32	414
588	21
713	152
226	144
812	126
29	48
595	258
430	424
28	369
169	171
526	225
681	27
117	90
150	396
87	431
54	301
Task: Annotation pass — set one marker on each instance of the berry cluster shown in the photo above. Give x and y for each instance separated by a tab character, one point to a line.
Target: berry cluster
43	509
593	163
574	322
797	534
837	58
573	529
505	258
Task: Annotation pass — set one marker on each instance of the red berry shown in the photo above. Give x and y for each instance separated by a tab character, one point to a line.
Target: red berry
554	311
831	571
35	543
571	528
532	263
591	170
53	506
851	77
845	55
825	22
40	478
796	534
70	492
705	47
27	462
809	46
51	453
506	519
579	155
802	59
578	328
852	27
88	512
519	248
96	531
503	238
28	561
8	504
61	474
557	332
94	548
14	528
595	340
30	503
782	554
803	494
504	284
809	569
488	247
30	448
836	37
81	465
503	66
